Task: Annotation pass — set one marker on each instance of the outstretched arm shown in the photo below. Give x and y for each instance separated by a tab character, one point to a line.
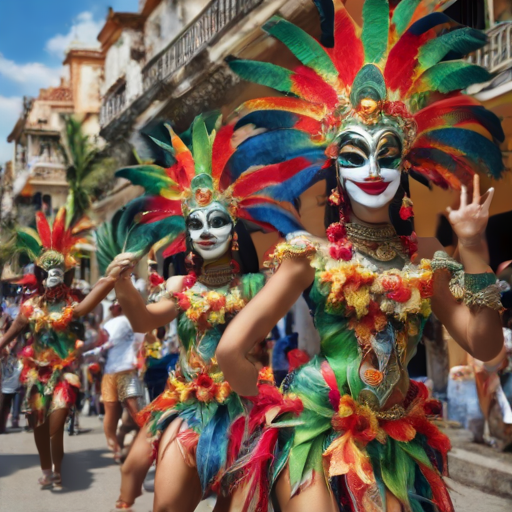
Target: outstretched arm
256	320
477	328
100	290
144	317
17	326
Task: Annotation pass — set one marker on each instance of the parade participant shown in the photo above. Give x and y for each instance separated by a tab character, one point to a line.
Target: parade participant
51	315
381	101
120	385
193	423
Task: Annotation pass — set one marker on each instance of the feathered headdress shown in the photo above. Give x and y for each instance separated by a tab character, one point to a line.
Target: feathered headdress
403	68
50	245
213	167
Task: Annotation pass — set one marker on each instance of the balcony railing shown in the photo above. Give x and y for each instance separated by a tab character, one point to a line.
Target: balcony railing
216	17
496	55
112	105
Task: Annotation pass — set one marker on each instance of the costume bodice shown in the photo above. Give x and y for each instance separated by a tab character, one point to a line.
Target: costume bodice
204	314
370	318
54	330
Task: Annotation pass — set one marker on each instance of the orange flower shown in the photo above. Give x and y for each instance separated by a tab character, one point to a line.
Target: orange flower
205	388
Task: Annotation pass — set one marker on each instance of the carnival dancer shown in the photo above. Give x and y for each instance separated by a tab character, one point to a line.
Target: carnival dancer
51	315
355	432
196	424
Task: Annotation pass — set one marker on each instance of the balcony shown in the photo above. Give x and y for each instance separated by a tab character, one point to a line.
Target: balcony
112	105
212	21
496	55
218	16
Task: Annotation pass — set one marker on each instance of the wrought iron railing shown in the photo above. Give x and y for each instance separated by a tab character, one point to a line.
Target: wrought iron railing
216	17
496	55
112	105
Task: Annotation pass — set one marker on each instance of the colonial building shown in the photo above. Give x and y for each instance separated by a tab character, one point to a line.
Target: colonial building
38	169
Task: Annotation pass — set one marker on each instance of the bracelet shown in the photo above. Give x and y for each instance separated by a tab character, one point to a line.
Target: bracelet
476	282
489	297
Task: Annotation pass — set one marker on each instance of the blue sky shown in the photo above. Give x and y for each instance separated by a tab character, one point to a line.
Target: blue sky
33	37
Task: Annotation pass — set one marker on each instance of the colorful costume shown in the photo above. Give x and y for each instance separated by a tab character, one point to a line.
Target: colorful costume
202	178
48	362
386	93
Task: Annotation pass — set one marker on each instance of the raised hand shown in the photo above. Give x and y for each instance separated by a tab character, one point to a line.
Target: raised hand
470	220
122	265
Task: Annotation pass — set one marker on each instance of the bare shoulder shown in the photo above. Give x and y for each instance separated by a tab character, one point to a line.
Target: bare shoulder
428	246
174	284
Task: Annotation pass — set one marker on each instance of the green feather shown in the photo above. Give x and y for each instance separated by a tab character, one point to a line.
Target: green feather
453	76
416	451
263	73
397	470
402	15
251	285
202	147
163	145
303	46
152	177
186	331
375	29
297	462
462	41
27	241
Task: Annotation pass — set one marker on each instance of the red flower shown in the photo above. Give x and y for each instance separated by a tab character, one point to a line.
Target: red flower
296	358
183	301
401	294
406	212
28	352
155	279
410	244
190	280
336	232
341	252
216	301
205	391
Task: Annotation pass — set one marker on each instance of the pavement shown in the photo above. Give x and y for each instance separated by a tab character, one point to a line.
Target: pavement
91	478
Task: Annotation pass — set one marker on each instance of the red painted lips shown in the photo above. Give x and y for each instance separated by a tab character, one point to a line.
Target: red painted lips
373	188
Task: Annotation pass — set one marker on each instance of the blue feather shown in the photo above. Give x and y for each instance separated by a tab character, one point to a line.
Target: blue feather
272	214
326	11
212	447
270	119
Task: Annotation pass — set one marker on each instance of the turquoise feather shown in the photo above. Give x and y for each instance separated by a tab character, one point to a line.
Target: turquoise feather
303	46
263	73
403	13
375	29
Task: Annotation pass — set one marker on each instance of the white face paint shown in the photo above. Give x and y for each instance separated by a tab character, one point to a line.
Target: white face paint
210	230
368	165
55	277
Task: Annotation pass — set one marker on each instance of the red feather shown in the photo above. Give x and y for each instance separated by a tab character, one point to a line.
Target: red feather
236	436
439	491
330	380
59	238
251	182
308	84
177	245
43	229
178	174
348	52
221	152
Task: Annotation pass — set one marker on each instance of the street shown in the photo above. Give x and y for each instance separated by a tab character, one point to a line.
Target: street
91	479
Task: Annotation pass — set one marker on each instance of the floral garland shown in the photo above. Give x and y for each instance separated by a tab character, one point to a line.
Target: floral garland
367	298
209	308
35	310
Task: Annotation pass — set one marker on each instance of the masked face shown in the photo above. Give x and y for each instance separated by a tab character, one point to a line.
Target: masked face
368	164
210	230
55	278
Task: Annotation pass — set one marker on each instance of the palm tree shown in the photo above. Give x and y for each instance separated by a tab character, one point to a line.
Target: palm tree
89	169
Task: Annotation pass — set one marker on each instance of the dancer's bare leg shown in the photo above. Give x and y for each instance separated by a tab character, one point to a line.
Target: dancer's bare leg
177	486
132	404
315	497
232	503
113	412
42	439
57	421
135	468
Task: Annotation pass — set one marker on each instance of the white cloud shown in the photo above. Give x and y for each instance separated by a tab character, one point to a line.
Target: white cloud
32	75
84	32
10	110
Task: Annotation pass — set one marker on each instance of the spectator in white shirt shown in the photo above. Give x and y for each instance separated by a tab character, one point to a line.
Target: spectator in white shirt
120	384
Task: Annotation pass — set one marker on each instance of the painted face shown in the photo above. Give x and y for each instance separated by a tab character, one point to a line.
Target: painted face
210	230
369	165
55	278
